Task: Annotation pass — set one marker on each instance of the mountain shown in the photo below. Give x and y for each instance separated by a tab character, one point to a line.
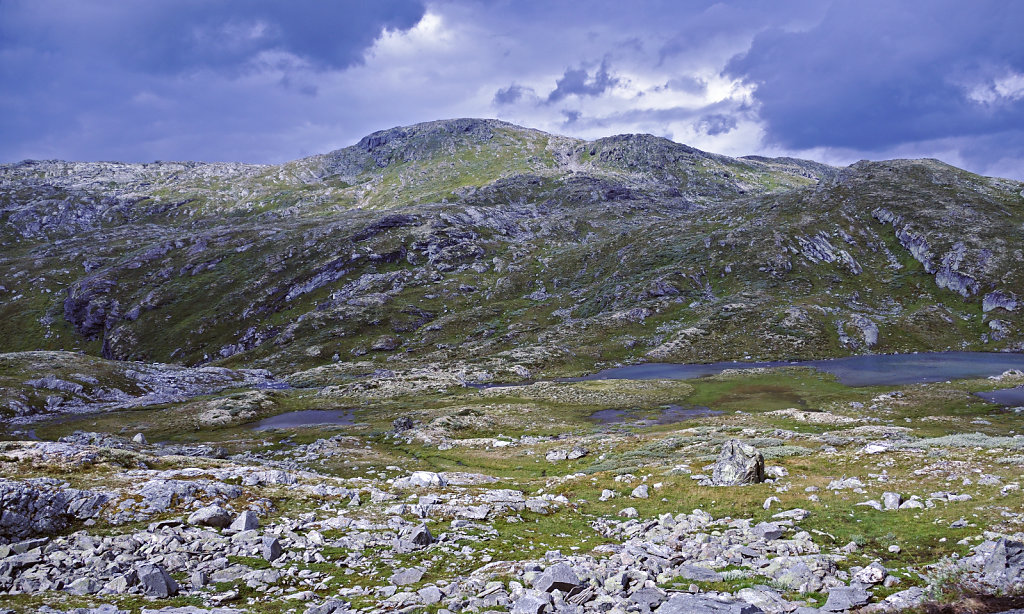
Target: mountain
484	243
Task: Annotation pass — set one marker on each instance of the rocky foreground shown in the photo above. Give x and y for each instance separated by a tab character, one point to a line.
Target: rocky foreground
121	525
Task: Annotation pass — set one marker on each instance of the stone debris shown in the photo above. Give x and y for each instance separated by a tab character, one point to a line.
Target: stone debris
210	533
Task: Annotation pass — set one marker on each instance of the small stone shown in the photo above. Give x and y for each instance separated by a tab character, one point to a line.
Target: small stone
139	438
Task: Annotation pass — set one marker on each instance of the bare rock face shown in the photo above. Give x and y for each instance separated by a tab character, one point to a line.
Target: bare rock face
738	463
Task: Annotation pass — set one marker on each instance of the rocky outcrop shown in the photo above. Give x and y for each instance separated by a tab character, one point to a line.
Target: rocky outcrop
999	300
43	507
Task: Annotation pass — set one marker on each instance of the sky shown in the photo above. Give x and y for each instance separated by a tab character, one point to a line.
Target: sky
270	81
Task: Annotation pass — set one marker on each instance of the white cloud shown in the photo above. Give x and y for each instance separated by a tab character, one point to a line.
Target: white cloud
1007	88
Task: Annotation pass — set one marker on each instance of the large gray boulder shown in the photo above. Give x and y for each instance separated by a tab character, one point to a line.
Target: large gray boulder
557	577
246	521
1006	560
156	582
421	479
702	604
270	548
211	516
403	577
533	602
843	598
418	535
738	463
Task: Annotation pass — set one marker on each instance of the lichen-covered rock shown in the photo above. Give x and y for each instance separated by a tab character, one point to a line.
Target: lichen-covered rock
738	463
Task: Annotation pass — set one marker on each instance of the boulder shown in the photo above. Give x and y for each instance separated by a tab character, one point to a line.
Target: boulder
738	463
418	535
703	604
407	576
891	500
698	573
400	425
769	530
270	548
844	598
156	582
533	602
246	521
421	479
874	573
557	577
211	516
1005	560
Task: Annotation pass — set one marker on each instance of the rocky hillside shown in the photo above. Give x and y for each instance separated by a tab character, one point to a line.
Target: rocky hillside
483	243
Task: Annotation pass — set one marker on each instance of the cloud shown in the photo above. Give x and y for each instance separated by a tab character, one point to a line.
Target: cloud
715	124
511	94
264	81
876	74
578	82
571	116
178	36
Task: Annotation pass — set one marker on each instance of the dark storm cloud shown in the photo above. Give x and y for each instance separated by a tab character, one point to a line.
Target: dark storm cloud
715	124
511	94
174	36
111	79
876	74
577	81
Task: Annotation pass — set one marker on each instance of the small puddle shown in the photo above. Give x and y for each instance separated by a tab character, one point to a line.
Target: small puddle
670	414
1009	397
305	418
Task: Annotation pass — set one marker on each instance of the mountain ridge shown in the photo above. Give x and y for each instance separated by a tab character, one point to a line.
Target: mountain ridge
477	241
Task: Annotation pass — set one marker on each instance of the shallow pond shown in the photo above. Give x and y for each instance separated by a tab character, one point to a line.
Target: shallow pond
875	370
304	418
669	414
1010	397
